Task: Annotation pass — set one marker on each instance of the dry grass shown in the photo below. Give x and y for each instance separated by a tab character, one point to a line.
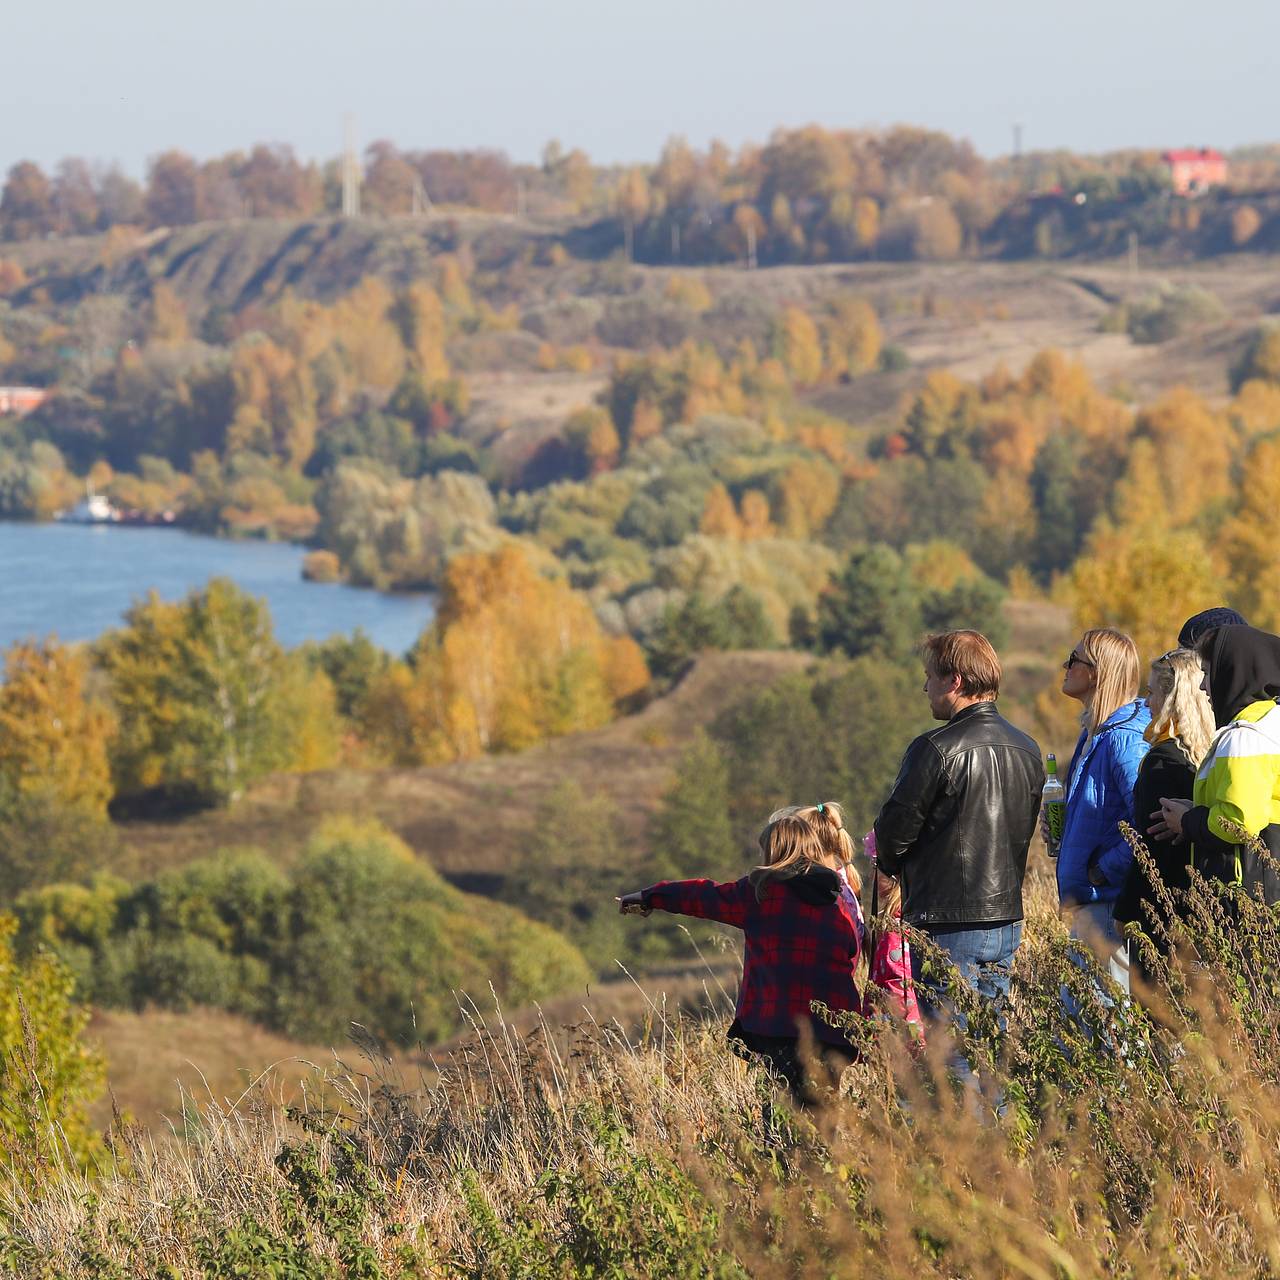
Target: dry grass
593	1151
159	1061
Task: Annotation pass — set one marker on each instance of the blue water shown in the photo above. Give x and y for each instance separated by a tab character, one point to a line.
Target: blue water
76	581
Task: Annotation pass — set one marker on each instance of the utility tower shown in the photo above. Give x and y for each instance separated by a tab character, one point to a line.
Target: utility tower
419	201
350	172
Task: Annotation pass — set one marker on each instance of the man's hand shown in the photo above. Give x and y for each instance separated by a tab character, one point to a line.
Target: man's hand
632	904
1166	822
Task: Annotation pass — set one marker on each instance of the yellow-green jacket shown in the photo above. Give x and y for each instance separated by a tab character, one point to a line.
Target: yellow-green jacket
1239	782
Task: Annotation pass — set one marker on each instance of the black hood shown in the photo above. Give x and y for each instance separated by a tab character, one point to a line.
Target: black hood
815	885
1243	665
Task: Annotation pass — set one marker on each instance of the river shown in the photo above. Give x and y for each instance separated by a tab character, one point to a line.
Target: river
76	581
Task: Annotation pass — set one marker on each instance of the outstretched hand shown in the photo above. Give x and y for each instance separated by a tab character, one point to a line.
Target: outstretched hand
1166	821
632	904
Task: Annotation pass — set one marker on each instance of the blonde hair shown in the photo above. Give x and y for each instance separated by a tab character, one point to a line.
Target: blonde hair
813	834
890	904
1187	715
1114	659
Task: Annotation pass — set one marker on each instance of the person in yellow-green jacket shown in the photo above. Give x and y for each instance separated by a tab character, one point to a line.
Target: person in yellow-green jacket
1239	780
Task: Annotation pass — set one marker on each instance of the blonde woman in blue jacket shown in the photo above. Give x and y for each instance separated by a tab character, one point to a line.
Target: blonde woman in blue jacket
1102	673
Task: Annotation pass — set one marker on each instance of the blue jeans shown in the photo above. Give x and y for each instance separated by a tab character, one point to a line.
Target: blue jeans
983	957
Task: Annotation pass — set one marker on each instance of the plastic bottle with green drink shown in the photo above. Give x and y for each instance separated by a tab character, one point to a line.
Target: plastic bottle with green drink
1054	799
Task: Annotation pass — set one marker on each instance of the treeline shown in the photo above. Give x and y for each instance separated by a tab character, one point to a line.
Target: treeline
806	195
80	197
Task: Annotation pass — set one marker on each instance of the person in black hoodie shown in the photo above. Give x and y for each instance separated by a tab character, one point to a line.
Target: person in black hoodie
1200	623
1238	783
1180	731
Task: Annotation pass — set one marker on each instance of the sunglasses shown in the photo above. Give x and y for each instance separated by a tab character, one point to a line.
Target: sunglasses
1073	658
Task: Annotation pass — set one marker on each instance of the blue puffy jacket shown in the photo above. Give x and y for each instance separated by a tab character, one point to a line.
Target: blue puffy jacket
1099	795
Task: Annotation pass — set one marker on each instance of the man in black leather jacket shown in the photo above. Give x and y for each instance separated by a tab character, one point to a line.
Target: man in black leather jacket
958	824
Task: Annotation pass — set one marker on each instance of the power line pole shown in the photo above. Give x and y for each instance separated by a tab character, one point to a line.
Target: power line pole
419	201
350	171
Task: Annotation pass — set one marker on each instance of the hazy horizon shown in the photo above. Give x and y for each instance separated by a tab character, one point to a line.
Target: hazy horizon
140	78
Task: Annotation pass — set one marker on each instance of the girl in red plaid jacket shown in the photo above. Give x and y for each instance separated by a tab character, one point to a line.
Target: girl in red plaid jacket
802	922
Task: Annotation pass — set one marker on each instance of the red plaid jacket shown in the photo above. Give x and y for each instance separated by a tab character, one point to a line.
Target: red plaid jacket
796	951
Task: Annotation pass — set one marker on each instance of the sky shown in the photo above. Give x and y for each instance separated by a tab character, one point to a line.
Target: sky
124	81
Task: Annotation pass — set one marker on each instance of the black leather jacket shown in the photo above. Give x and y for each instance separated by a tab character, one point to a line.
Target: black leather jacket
960	820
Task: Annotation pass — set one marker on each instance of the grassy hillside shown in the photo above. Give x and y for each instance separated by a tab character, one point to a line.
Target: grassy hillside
590	1151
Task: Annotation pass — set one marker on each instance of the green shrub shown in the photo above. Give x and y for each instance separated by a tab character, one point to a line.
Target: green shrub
48	1074
358	930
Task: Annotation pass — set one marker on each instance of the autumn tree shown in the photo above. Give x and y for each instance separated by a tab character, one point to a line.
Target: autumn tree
797	344
935	231
53	736
634	199
593	438
173	190
1250	538
1245	222
805	495
853	337
202	695
1189	462
1261	358
26	206
719	516
512	657
389	179
167	321
275	395
1144	584
74	199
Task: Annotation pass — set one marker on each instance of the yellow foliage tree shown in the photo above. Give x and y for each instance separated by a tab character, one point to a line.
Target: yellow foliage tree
719	516
1144	583
646	421
688	291
275	402
368	338
53	738
805	496
167	321
1250	538
626	673
420	314
798	346
854	337
757	519
1256	408
511	658
1189	464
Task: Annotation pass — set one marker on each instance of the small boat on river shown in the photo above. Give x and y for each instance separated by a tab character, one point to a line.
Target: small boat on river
93	508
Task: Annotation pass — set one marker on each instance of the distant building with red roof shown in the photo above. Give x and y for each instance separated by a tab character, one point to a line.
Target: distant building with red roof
21	400
1194	171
